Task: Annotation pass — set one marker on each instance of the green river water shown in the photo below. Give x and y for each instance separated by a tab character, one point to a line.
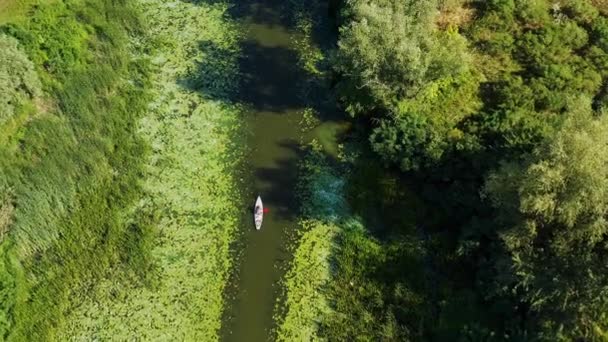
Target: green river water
270	81
271	86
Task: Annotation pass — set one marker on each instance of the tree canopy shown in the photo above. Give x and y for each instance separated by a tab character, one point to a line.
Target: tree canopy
495	111
551	210
18	79
399	69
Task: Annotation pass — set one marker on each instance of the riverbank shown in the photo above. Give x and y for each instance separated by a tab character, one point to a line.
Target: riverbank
268	89
304	302
357	235
70	159
191	187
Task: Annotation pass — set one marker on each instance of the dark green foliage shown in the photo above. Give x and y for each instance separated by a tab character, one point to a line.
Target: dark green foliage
74	166
553	205
375	299
530	255
536	56
426	126
599	33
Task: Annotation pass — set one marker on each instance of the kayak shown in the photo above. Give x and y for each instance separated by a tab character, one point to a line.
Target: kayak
258	213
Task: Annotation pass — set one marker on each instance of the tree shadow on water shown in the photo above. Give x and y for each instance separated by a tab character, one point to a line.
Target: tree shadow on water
266	12
265	78
269	78
264	75
281	181
215	76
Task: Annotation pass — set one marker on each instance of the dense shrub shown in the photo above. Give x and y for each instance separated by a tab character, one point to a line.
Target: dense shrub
18	79
397	67
553	205
535	57
533	253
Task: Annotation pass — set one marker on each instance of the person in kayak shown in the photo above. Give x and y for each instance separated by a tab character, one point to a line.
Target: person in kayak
265	210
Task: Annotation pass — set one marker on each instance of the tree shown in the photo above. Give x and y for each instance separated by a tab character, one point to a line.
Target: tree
398	67
553	206
18	79
383	52
389	50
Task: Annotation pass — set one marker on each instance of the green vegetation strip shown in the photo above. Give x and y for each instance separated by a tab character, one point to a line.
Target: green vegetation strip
305	282
70	159
194	135
305	303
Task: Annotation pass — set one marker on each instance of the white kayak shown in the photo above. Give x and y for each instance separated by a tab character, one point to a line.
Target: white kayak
258	213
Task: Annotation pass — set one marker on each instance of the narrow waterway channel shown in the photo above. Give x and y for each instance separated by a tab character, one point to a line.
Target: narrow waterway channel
270	80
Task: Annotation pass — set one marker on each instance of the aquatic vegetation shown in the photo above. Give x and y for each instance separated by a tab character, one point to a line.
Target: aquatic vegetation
310	55
306	303
190	183
69	160
310	119
320	187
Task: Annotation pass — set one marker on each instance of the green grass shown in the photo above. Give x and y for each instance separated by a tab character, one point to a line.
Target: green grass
190	182
70	163
14	10
117	192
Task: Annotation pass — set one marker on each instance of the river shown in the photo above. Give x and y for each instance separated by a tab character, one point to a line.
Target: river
270	80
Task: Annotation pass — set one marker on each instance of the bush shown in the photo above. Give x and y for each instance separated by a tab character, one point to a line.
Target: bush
552	208
18	78
384	53
412	78
448	125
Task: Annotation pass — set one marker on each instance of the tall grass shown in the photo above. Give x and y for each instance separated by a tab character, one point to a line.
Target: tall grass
71	168
195	136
